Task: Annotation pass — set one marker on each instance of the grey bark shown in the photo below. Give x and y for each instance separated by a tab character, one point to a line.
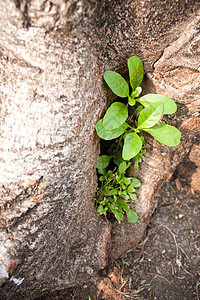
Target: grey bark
53	55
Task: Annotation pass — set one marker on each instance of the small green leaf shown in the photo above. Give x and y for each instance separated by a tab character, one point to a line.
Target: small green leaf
103	161
118	158
130	189
150	115
109	134
115	116
119	216
123	167
143	141
101	209
135	182
114	192
132	216
125	180
137	110
169	104
127	197
132	196
131	101
123	187
101	171
122	204
109	174
136	165
136	71
117	83
165	134
101	178
137	92
132	146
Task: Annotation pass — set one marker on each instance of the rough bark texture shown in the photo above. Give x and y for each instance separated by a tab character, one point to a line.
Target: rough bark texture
53	54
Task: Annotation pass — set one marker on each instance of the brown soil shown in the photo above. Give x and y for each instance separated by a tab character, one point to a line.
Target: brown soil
166	264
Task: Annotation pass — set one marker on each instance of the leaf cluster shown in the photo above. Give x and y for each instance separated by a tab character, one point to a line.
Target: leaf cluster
116	190
148	112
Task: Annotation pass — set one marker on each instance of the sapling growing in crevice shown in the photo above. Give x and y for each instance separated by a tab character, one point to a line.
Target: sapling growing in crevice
116	190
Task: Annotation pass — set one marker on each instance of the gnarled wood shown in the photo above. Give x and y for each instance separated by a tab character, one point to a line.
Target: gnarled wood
53	55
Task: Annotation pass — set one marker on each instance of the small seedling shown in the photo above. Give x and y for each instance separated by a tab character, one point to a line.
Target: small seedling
116	189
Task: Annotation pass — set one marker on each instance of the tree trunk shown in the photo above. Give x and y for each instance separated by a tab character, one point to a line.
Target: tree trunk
53	54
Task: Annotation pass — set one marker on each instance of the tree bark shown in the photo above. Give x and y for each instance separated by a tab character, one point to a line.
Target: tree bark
53	54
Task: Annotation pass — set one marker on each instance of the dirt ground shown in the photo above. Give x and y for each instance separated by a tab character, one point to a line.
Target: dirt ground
166	264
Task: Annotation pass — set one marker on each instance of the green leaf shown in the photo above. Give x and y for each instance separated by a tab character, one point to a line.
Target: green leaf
115	116
122	204
137	92
130	189
101	209
135	165
137	110
132	216
132	146
119	216
136	71
131	101
103	161
125	180
109	174
117	83
101	178
118	158
132	196
109	134
114	192
135	182
123	167
127	197
150	115
165	134
169	104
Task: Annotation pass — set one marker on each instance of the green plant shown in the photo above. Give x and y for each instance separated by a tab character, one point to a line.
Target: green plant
114	192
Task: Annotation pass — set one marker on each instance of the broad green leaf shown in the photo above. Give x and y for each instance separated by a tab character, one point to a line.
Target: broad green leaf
165	134
150	115
136	71
117	83
115	116
135	182
169	104
103	161
137	92
132	146
132	216
109	134
123	167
